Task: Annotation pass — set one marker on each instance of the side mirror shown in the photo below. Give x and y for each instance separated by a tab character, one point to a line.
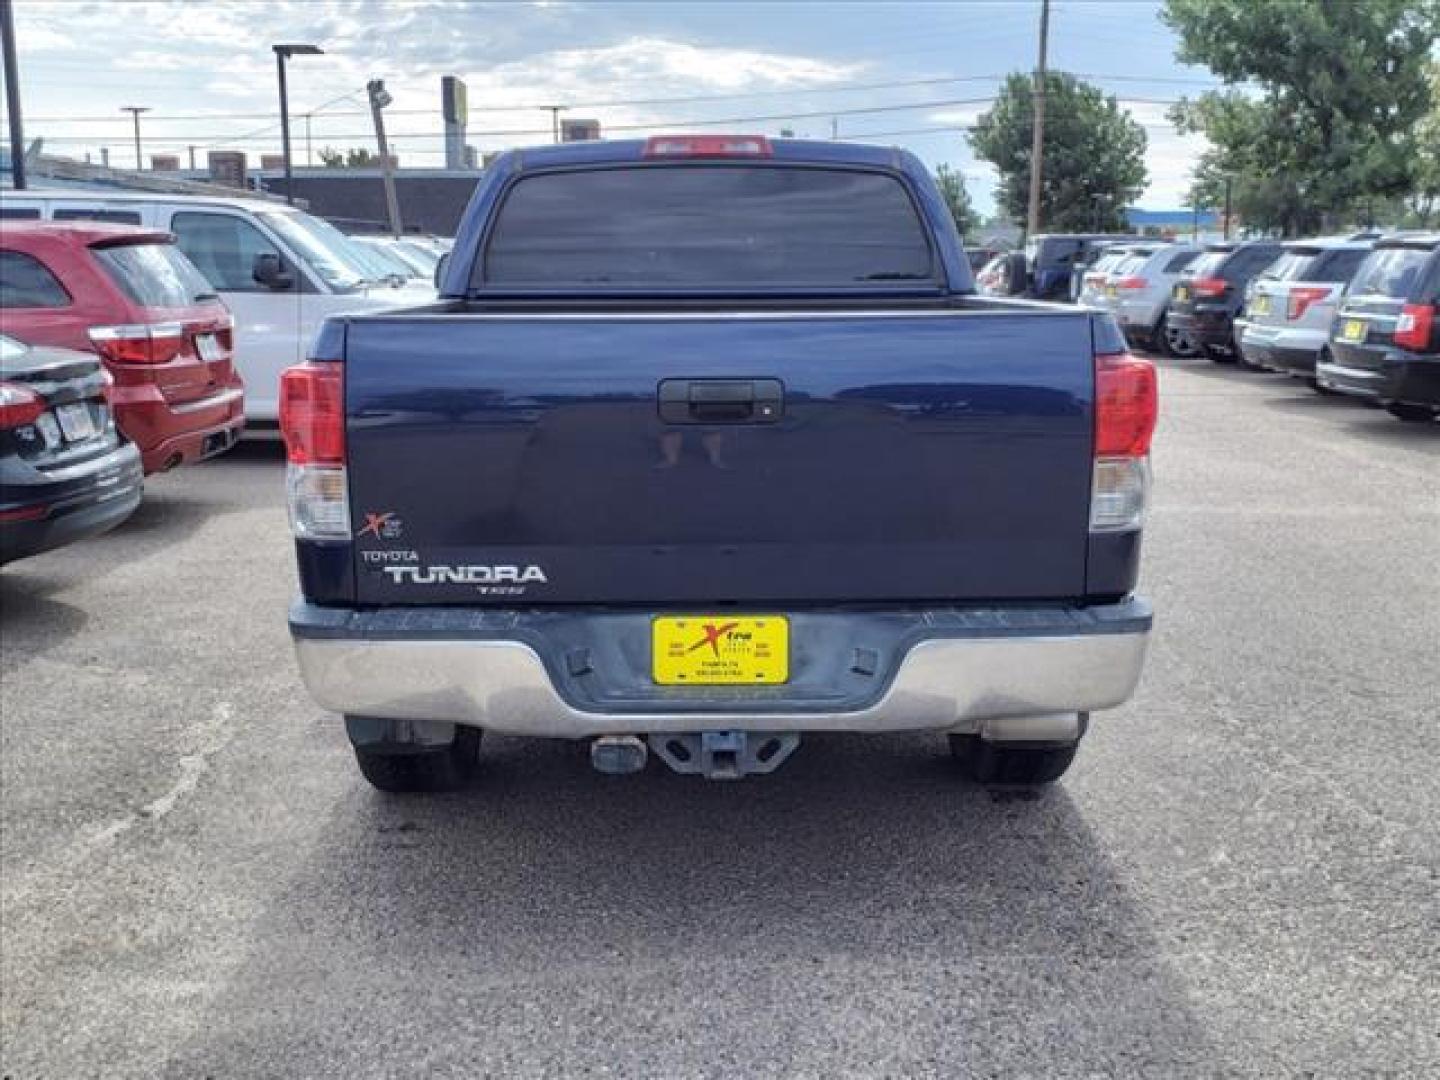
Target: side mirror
269	271
440	268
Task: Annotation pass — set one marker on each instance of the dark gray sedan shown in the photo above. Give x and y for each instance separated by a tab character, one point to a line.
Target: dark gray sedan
66	473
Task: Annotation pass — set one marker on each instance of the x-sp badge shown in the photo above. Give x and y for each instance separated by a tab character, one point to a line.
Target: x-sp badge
384	526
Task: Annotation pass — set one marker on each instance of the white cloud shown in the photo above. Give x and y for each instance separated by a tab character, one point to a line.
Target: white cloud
44	37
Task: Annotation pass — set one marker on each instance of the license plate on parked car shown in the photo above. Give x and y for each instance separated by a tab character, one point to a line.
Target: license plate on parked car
76	422
209	348
1260	305
720	650
1353	330
1111	292
1182	293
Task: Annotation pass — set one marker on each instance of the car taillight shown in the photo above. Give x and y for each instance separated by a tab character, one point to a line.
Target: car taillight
1127	404
1209	286
1301	297
1416	324
312	421
19	406
139	343
1131	283
691	146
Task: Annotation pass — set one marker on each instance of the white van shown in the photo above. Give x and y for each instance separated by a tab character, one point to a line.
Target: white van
280	271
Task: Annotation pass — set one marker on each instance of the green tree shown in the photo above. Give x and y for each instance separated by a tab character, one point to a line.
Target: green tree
1424	200
1094	163
356	157
952	189
1342	88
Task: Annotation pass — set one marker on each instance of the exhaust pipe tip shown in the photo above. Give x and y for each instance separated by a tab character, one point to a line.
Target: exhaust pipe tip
618	755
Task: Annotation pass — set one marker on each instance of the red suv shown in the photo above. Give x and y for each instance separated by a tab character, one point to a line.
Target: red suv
132	296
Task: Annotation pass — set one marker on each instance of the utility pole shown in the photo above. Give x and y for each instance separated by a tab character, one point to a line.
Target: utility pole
192	157
308	160
12	96
1037	142
378	100
1227	207
135	111
555	120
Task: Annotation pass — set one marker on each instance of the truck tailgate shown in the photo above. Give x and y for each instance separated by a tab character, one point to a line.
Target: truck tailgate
914	455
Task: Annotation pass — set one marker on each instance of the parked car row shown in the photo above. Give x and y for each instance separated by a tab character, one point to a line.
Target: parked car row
131	296
1350	314
1385	341
1134	281
154	327
279	270
118	361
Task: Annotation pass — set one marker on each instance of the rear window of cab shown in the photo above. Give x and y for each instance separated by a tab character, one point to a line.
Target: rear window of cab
708	226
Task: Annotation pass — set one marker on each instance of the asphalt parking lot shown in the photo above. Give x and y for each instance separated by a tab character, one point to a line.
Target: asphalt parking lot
1238	877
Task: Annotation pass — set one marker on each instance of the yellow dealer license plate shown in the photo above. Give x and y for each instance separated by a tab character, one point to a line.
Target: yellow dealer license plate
1260	306
720	650
1182	293
1354	330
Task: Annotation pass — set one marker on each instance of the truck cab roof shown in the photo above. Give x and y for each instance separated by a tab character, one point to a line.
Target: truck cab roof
627	151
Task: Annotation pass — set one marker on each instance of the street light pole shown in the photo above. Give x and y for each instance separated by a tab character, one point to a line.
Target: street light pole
135	111
283	53
12	96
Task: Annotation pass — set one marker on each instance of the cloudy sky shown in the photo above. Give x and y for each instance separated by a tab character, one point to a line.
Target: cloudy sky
911	74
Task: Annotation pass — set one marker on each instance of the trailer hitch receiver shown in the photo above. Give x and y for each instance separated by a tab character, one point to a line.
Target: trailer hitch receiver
724	755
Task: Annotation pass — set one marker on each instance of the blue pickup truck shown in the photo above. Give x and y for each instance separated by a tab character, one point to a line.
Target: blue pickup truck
707	444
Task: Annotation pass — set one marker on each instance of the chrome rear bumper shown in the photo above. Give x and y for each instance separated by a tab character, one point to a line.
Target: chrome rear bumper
1011	675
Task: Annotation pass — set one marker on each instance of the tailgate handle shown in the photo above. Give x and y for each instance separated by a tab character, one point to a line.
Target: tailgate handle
721	401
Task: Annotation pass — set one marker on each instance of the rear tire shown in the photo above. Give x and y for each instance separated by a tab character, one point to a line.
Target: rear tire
403	771
1176	343
1411	414
1012	764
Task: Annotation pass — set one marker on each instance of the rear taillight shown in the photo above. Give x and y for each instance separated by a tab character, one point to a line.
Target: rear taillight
707	146
312	421
1302	297
19	406
1126	407
1415	327
1209	286
139	343
1131	283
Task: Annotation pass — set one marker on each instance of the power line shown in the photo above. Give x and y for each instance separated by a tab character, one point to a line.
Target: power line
619	102
650	125
598	104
